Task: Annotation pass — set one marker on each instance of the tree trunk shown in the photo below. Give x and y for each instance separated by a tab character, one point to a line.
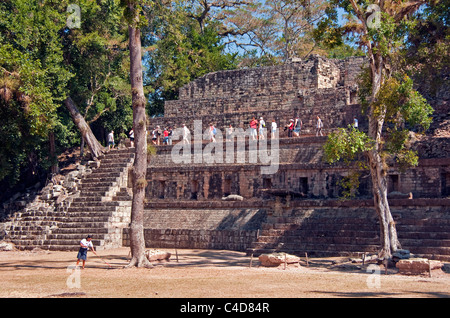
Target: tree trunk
388	232
82	147
94	146
52	154
137	242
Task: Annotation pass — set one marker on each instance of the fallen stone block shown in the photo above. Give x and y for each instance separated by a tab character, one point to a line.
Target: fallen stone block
400	195
233	197
417	266
157	255
6	246
276	259
401	254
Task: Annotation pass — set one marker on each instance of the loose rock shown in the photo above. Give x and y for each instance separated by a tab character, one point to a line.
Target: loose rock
6	246
157	255
417	266
276	259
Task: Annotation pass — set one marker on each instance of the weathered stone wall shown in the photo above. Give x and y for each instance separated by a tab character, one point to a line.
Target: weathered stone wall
234	229
301	170
315	72
316	86
319	228
184	200
234	240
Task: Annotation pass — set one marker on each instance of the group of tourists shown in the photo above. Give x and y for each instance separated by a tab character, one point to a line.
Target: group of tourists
258	129
293	127
162	136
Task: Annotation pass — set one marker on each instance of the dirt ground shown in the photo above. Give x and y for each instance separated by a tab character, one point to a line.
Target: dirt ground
205	274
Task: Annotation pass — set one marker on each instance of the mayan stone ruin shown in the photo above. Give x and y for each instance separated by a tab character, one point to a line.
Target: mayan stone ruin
229	202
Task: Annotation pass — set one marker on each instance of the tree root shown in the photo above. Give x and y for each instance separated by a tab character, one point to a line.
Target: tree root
140	262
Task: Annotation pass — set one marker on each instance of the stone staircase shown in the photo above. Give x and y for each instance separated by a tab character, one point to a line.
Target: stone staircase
102	209
345	231
317	232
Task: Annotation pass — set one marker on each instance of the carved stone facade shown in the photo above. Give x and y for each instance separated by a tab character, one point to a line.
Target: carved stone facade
306	89
297	205
272	194
317	86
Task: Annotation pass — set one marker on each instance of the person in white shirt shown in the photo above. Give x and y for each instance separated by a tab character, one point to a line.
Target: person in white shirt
262	125
274	128
355	122
186	135
111	140
85	244
131	134
229	132
319	126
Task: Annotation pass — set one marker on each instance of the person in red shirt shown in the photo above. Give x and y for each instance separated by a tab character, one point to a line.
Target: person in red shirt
253	127
290	128
166	137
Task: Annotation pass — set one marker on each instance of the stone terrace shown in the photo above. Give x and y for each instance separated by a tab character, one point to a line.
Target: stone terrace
297	209
232	205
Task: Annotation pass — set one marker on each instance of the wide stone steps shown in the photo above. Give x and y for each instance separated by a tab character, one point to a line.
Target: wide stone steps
326	236
89	214
97	186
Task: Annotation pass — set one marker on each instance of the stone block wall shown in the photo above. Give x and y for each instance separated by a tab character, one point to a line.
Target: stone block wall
186	198
196	239
315	72
232	228
326	228
301	171
316	86
313	87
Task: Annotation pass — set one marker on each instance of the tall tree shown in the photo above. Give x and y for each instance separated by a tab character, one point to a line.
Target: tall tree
135	20
392	105
294	21
272	32
33	80
181	49
95	147
96	52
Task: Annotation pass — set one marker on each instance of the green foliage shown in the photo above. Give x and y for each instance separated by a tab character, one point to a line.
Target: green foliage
134	12
406	110
329	31
343	51
25	91
403	109
33	78
346	144
97	55
427	48
42	61
179	52
394	108
350	184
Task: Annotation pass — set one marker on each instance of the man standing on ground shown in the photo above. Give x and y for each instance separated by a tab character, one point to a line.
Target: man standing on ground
85	244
